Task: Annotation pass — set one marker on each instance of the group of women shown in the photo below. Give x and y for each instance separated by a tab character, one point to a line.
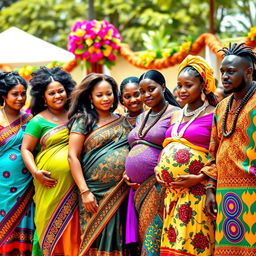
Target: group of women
78	178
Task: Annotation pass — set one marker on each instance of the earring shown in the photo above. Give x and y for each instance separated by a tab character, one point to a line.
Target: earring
92	107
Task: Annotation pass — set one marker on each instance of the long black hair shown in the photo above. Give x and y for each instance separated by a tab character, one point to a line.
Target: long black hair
244	51
41	78
80	105
8	80
159	78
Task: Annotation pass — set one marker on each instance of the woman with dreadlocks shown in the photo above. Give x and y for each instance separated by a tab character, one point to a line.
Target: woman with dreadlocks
232	163
187	230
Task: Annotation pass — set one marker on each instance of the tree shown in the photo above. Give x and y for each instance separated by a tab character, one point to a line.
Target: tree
52	19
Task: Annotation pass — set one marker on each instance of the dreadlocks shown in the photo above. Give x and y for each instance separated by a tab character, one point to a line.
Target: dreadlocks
243	51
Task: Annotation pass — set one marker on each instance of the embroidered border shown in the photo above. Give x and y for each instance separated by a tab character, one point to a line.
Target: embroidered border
99	220
165	251
231	251
59	221
14	216
143	190
7	133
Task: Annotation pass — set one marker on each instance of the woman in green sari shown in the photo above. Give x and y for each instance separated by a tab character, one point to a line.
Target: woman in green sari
97	150
57	213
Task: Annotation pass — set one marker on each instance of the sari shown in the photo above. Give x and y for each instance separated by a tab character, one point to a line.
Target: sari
232	164
105	150
16	205
57	212
144	213
187	229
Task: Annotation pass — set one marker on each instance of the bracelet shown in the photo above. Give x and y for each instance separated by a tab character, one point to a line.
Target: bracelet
84	191
208	186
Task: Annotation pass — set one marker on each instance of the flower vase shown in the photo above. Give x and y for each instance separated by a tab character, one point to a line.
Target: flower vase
95	68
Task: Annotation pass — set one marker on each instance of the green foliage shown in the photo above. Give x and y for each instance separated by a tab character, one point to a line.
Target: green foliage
141	22
50	20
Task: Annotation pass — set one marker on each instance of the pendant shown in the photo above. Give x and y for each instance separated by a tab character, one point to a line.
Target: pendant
54	118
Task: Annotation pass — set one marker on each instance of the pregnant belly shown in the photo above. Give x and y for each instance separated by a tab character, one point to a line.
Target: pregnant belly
178	159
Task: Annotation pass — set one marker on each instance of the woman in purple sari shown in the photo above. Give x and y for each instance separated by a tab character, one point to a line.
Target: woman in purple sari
144	216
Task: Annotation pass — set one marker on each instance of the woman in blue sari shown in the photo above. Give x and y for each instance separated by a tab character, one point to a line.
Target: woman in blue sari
16	207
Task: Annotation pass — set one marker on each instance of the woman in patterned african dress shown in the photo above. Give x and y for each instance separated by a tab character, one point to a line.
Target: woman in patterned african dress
187	230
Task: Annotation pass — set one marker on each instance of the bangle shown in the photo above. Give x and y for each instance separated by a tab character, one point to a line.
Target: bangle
84	191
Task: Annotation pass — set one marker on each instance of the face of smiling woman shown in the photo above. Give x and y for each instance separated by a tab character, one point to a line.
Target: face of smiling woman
152	94
16	97
55	96
102	97
132	99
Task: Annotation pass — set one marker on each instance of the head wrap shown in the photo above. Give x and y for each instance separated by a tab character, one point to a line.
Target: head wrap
203	68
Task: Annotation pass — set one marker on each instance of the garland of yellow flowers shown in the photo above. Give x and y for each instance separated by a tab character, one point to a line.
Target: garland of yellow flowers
160	63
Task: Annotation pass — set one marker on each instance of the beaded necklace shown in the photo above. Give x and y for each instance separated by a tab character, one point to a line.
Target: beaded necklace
141	134
177	135
248	95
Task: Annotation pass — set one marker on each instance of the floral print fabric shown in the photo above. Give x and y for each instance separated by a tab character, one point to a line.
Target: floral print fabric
186	227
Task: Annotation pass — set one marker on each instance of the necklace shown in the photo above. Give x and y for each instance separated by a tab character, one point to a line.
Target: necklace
177	135
246	98
141	134
54	117
186	112
130	120
6	118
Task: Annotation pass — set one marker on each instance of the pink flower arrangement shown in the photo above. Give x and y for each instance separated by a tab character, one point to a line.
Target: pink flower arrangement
94	41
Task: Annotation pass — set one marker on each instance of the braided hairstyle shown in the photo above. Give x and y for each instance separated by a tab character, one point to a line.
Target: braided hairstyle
8	80
159	78
128	80
210	96
244	51
81	100
41	78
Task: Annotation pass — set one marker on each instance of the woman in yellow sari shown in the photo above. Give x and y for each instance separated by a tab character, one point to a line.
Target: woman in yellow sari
57	213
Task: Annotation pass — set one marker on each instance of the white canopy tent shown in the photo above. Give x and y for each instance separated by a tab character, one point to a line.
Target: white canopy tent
18	48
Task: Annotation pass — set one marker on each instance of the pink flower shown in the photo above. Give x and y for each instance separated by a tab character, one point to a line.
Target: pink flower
111	57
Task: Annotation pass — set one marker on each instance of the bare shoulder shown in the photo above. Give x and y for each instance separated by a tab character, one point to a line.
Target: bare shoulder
175	115
210	109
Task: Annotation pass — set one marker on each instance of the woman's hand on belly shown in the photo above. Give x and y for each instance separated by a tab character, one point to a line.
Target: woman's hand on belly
135	186
187	181
44	178
89	202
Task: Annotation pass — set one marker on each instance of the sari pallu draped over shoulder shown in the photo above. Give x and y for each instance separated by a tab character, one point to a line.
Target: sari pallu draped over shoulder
103	165
16	207
57	213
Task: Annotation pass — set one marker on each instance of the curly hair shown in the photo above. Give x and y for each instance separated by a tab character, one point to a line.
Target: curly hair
159	78
244	51
81	103
41	78
128	80
8	80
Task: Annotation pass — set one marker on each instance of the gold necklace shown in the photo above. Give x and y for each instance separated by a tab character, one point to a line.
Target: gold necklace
6	118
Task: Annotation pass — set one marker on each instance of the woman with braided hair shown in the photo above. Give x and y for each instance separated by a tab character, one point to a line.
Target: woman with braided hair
16	206
56	202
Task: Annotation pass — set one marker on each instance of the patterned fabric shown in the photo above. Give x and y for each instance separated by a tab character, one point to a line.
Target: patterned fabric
16	206
105	150
139	166
187	230
233	162
203	68
57	212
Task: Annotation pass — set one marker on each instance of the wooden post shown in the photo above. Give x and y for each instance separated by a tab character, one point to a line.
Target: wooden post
211	17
